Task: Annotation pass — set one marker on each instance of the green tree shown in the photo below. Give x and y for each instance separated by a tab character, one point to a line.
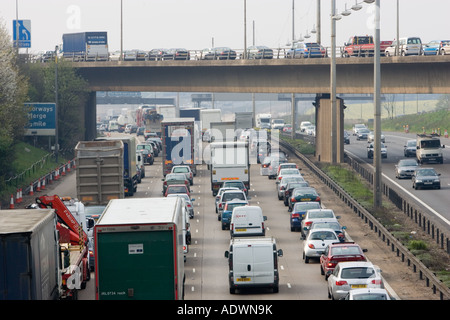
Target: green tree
443	103
13	94
72	97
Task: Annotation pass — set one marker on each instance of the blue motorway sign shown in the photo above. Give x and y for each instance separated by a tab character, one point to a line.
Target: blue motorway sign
42	119
23	34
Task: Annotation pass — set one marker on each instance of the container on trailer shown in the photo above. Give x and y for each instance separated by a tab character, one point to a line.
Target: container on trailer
139	250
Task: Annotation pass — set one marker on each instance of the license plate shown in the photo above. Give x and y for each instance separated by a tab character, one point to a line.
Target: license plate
358	286
306	200
428	183
243	279
241	230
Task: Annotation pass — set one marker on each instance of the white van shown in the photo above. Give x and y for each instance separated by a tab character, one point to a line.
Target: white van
247	221
253	262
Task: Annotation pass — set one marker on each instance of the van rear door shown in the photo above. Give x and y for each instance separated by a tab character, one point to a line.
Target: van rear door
253	265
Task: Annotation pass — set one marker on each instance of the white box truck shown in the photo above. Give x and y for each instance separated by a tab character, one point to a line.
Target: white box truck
229	162
206	117
253	263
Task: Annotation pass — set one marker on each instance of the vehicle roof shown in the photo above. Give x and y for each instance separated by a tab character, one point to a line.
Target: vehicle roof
23	220
255	240
350	264
248	208
139	211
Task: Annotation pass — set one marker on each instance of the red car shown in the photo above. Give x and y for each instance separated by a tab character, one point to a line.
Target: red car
177	188
340	252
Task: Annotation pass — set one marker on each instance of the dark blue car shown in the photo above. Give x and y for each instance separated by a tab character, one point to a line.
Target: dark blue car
225	217
298	213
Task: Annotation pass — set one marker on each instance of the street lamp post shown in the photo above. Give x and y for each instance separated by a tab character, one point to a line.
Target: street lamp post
377	200
333	84
56	106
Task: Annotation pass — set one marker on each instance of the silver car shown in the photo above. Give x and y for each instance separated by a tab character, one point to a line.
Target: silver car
367	294
281	185
353	275
405	168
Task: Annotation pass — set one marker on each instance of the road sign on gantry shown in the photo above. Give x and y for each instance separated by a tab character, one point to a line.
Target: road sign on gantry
22	32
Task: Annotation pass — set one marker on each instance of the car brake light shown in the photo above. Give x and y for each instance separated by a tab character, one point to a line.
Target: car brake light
308	223
293	200
295	215
311	246
220	205
376	281
341	283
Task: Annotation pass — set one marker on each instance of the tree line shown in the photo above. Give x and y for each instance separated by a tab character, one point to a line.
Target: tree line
35	82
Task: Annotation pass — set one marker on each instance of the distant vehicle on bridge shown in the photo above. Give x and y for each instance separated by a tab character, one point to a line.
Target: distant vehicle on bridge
363	46
217	53
306	50
407	47
259	52
436	47
86	46
176	54
156	54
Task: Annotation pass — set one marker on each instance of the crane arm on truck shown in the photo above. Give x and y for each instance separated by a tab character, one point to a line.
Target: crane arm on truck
55	202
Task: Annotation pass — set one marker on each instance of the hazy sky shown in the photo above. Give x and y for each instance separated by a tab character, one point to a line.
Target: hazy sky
193	24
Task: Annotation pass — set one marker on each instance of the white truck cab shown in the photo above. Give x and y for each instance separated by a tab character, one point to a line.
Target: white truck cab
429	149
253	263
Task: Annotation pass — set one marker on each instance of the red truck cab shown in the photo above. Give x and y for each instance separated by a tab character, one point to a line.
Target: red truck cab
362	46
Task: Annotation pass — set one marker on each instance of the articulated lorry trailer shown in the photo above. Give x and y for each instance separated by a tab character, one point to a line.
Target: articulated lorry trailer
139	250
180	143
99	171
130	173
43	253
229	162
86	46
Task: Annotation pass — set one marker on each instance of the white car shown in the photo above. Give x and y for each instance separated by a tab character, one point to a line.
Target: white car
186	170
311	131
371	137
367	294
317	241
353	275
304	125
281	186
288	172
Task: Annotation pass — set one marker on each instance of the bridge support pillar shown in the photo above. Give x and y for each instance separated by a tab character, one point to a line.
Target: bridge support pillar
323	129
90	117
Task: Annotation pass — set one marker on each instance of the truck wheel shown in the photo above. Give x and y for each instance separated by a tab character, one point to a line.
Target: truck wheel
275	289
232	290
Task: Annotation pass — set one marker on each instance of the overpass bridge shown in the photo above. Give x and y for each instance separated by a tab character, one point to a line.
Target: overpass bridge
399	75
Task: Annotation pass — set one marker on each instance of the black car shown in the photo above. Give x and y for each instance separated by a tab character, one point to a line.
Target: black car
156	54
236	184
426	178
362	134
176	54
290	187
346	138
224	53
